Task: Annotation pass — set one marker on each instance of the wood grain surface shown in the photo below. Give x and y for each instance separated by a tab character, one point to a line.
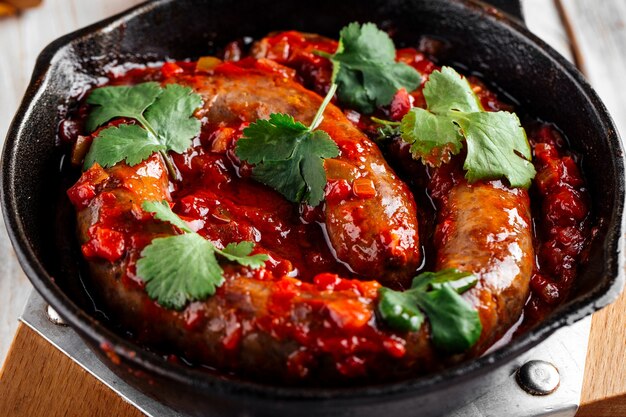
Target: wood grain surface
604	389
599	31
40	381
599	28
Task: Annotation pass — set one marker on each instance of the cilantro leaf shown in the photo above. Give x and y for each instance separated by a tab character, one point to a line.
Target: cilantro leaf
283	176
496	143
131	143
454	328
399	310
388	129
455	325
166	115
162	211
433	138
486	155
120	101
278	134
288	156
312	168
171	117
446	90
365	69
240	253
178	269
182	268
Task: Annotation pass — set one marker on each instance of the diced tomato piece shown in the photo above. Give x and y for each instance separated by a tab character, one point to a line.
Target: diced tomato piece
547	290
104	243
565	208
395	347
401	104
349	314
351	366
169	69
81	194
326	281
363	188
233	337
337	190
283	292
229	67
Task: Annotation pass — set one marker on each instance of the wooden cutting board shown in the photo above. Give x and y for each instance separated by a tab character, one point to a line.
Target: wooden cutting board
39	380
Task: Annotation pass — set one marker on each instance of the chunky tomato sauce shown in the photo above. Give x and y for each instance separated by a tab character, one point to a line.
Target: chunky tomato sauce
219	200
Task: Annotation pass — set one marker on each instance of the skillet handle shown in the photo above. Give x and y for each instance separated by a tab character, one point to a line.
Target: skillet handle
511	7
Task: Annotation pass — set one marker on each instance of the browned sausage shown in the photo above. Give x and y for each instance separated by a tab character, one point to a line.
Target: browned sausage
485	228
374	233
274	327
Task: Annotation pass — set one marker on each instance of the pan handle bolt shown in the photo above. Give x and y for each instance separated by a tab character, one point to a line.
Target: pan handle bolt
538	377
54	317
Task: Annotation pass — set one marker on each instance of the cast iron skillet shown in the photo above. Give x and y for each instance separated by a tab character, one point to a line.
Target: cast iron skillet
476	37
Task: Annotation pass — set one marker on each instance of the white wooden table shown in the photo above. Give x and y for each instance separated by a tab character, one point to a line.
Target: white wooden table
598	26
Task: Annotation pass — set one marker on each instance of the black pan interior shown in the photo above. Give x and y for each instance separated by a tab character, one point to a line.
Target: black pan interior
500	50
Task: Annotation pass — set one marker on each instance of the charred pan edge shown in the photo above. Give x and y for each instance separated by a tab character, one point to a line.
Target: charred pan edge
97	334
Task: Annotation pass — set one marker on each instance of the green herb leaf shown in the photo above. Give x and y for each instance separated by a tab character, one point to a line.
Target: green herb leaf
496	143
171	117
433	138
446	90
240	253
399	310
365	69
179	269
120	101
131	143
162	211
455	326
166	114
493	142
288	156
182	268
387	130
277	135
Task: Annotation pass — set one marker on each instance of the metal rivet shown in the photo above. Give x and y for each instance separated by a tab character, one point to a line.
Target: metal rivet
54	317
538	377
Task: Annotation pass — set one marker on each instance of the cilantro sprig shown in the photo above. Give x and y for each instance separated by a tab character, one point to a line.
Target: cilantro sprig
365	68
289	156
183	268
455	325
496	143
165	117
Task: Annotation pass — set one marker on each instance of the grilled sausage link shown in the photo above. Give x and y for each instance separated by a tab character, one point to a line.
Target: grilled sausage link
485	228
370	215
256	324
